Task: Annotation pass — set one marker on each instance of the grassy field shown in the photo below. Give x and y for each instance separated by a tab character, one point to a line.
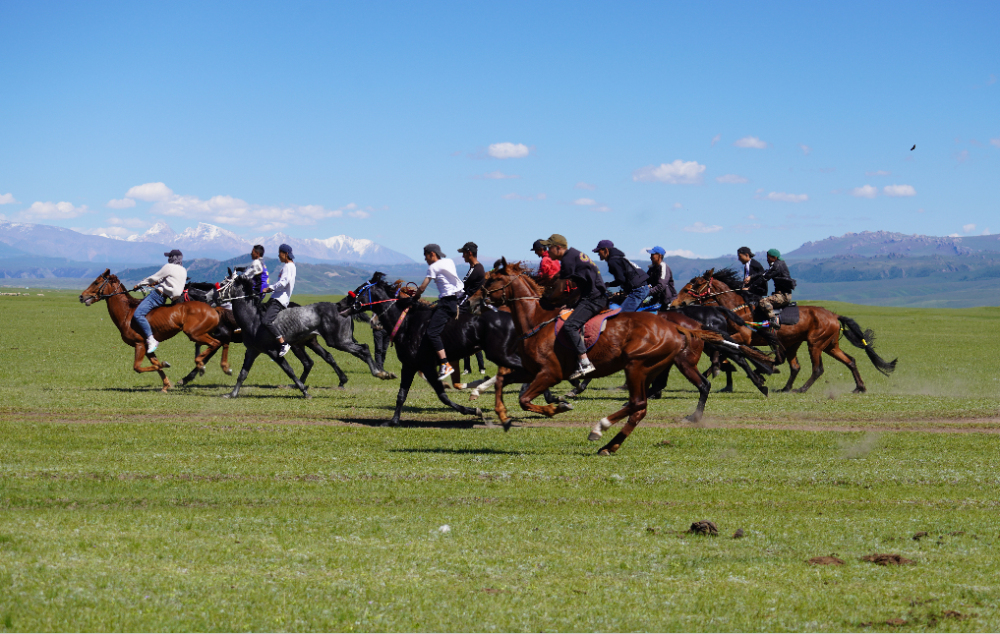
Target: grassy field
125	509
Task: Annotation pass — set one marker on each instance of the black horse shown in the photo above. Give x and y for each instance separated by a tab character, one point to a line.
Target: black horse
301	325
492	332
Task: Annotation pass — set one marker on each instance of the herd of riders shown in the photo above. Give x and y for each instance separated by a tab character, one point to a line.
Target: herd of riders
559	261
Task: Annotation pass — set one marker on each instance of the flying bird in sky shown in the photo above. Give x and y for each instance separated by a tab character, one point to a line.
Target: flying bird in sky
914	147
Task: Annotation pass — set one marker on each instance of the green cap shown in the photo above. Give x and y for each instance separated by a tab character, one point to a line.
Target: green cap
774	253
555	240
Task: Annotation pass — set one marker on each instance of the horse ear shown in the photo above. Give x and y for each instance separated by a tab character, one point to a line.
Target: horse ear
230	269
503	265
106	273
710	272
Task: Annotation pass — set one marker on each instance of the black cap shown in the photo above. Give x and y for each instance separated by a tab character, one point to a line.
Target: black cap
433	248
745	251
471	247
537	245
174	253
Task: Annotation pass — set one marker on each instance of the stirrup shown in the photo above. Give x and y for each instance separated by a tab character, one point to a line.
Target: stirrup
582	370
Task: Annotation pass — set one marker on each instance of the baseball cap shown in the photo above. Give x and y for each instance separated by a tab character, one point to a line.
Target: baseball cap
433	248
555	240
173	253
471	247
659	250
537	245
604	244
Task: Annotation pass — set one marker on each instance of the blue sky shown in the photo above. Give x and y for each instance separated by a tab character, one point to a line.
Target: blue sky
697	126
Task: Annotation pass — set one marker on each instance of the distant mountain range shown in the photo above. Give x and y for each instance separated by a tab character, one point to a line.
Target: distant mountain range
205	240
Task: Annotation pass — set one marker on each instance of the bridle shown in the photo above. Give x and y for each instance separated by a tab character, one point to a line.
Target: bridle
99	296
226	285
487	294
706	292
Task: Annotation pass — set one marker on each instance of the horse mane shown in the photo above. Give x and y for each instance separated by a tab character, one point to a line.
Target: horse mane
729	277
400	289
528	274
132	301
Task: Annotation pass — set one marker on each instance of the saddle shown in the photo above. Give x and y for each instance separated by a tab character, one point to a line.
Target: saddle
787	315
591	330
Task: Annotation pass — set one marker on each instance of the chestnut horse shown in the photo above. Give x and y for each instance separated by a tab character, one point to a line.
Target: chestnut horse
818	328
195	319
641	344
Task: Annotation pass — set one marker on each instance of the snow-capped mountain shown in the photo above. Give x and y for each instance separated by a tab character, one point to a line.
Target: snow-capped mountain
160	233
58	242
337	248
205	239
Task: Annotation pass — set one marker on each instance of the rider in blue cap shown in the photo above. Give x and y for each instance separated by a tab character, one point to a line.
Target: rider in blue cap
661	278
281	294
627	275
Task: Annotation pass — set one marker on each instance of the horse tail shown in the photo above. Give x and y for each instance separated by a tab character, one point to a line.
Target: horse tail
865	340
733	317
725	341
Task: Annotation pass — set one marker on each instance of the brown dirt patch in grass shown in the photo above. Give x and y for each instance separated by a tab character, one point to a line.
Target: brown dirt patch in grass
829	560
887	559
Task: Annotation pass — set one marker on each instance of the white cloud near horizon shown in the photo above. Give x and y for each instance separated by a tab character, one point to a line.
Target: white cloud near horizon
495	176
805	149
878	173
122	203
53	211
782	197
732	179
899	190
968	228
583	185
701	227
866	191
110	232
150	192
677	173
751	142
508	150
133	223
7	199
679	253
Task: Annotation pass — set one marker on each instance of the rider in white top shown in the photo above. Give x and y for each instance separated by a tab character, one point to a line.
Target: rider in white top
442	271
282	294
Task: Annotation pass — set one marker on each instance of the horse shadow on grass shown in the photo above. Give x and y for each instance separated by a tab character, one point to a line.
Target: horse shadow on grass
416	424
481	451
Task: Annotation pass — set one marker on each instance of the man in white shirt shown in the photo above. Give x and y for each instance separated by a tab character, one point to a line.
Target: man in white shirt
442	271
281	294
168	282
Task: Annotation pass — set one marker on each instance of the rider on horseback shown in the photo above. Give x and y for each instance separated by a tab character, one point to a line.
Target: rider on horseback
783	285
548	269
168	282
578	267
442	271
281	295
625	274
257	271
661	278
751	267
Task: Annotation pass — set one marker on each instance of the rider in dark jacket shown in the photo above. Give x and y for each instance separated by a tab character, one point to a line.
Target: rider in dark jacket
751	268
631	278
661	278
783	285
578	267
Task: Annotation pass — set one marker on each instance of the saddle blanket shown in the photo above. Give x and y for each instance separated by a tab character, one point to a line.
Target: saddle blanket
787	315
591	330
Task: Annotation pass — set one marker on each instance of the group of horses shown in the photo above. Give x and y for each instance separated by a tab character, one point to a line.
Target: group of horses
513	321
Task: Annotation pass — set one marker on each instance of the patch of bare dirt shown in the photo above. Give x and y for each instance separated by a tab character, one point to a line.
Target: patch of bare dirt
704	527
828	560
887	560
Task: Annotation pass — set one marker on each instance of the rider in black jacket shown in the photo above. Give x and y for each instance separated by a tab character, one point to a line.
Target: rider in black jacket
631	278
578	267
783	285
751	267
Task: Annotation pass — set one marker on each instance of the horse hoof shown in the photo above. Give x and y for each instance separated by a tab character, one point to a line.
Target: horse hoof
859	390
763	390
390	423
201	371
570	395
228	371
563	407
507	424
603	452
474	395
341	387
180	383
725	390
306	395
480	414
691	418
594	436
164	364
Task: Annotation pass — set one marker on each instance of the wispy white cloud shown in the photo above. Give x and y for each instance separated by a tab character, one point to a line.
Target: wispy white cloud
678	253
751	142
805	149
121	203
866	191
962	156
985	232
516	196
53	211
585	202
358	213
995	142
899	190
150	192
878	173
132	223
678	206
782	197
495	176
968	228
677	173
508	150
991	80
716	139
732	179
583	185
701	227
7	199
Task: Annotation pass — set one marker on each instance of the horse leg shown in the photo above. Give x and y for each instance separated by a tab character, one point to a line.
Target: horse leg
834	351
283	364
579	387
326	356
140	352
793	366
754	377
635	379
405	381
360	350
199	361
689	368
816	357
498	406
542	381
431	375
659	383
306	361
225	360
248	360
482	387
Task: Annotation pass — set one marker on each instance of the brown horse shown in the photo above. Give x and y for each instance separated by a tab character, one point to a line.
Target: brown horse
195	319
642	344
818	328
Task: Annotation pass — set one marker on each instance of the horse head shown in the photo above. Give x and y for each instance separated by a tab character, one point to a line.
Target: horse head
95	292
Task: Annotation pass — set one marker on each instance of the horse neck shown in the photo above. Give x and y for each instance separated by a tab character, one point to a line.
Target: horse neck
246	312
120	308
527	314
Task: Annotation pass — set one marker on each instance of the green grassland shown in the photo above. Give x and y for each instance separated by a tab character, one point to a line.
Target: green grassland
125	509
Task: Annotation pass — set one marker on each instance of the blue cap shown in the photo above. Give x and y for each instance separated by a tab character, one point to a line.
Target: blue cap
604	244
287	250
659	250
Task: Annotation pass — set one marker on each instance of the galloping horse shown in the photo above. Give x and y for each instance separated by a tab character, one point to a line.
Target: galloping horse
228	331
818	328
642	344
195	319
